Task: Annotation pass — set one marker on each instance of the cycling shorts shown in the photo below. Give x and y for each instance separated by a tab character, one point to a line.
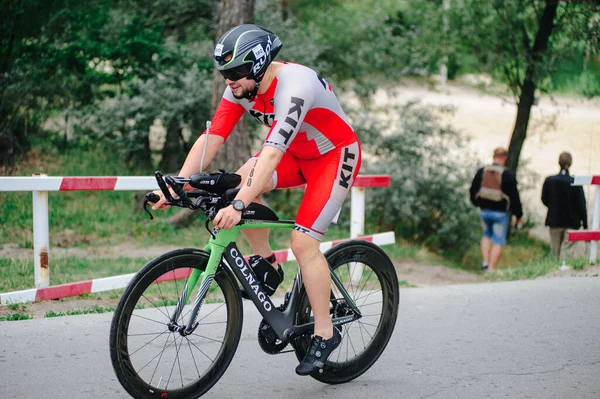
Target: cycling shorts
328	180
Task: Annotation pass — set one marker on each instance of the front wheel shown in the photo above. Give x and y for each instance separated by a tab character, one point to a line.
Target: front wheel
369	277
152	361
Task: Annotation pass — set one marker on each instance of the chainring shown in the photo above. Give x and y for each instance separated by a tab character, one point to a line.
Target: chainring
268	340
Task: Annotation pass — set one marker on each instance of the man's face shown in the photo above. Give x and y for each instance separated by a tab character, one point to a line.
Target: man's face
241	88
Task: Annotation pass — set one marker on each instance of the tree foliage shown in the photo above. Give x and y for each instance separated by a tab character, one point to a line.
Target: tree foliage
116	67
522	43
431	172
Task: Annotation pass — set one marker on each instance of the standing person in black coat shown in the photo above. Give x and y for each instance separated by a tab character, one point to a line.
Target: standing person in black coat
566	207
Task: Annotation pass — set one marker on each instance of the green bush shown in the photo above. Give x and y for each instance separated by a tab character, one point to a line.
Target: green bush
431	172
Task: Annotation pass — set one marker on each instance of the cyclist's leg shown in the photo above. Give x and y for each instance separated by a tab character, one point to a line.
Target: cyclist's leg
317	280
328	182
287	174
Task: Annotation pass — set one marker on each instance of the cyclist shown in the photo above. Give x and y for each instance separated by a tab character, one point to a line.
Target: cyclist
310	142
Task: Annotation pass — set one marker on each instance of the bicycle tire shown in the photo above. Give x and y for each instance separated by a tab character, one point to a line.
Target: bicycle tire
380	265
131	324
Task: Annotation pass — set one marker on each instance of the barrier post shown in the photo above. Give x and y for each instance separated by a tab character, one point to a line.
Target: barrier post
357	226
595	225
41	241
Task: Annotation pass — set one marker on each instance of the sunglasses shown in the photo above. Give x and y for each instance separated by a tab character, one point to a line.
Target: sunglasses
236	73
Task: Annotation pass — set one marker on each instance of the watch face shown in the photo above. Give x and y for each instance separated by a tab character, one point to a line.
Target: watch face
238	205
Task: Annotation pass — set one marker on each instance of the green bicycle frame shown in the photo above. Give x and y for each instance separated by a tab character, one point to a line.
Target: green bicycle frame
223	240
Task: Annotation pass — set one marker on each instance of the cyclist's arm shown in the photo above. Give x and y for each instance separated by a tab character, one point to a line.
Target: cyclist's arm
226	116
260	174
194	157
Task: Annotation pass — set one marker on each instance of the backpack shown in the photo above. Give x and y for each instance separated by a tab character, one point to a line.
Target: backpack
491	184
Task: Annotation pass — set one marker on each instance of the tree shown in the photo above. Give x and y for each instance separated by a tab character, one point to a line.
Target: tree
59	55
520	42
237	148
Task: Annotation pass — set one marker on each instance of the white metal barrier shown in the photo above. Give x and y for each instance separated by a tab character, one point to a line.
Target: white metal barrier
593	235
41	184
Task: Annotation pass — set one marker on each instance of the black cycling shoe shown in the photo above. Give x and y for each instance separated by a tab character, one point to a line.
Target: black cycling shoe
318	352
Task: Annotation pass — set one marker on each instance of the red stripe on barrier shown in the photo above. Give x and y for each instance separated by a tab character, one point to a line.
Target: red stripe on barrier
584	235
281	255
595	180
88	183
177	274
364	238
373	181
62	291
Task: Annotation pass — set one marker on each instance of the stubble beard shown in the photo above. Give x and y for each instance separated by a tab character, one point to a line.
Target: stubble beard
245	93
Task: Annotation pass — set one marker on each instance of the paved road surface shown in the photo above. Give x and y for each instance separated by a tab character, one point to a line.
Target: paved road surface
528	339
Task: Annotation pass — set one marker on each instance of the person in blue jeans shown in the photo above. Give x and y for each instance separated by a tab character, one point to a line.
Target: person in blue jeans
496	205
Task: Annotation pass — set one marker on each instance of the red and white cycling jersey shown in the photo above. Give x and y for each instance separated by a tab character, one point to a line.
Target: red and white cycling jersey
308	124
301	109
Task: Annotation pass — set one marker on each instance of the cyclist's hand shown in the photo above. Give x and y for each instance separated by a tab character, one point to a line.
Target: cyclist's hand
227	218
162	203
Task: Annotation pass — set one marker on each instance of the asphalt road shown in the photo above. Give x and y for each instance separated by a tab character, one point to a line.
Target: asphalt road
527	339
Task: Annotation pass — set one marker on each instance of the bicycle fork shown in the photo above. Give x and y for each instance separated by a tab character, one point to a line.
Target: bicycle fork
207	278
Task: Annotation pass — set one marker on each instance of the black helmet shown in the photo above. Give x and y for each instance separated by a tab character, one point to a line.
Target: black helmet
252	49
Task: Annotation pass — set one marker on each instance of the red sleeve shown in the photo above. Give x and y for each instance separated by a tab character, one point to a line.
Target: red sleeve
226	117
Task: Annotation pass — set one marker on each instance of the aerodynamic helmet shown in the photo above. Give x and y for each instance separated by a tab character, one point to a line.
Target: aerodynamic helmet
252	48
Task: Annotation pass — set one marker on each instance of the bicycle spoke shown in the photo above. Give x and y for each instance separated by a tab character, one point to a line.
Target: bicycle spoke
148	343
369	304
159	357
208	338
368	324
145	318
193	357
155	307
162	296
201	351
176	361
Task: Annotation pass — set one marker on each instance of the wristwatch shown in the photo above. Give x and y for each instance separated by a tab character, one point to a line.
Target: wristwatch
238	205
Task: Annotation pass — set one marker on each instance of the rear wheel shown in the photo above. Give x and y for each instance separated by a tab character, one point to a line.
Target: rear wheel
152	361
369	277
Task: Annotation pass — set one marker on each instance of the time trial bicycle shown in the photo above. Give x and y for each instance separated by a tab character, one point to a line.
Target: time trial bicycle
179	321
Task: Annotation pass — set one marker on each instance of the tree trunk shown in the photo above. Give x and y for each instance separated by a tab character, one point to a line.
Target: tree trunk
170	159
526	98
284	10
237	147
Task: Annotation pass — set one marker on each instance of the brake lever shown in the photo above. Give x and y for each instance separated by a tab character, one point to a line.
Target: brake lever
179	191
210	215
151	197
163	186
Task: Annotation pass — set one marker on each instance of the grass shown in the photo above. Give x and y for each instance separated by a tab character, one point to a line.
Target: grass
17	273
16	312
93	309
98	219
520	250
534	269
